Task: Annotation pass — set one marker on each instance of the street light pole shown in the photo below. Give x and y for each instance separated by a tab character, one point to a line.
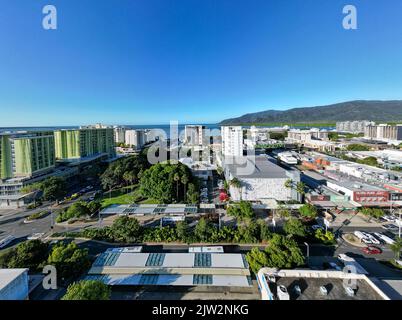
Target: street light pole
308	252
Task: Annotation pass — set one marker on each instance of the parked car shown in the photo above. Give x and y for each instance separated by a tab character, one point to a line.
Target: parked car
384	238
373	239
389	218
316	227
282	293
372	250
390	227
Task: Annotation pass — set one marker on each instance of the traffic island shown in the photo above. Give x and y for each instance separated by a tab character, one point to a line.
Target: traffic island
353	240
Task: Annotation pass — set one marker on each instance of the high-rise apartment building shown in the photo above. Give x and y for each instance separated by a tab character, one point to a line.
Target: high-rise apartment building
353	126
232	141
120	134
384	132
26	154
135	138
76	145
194	135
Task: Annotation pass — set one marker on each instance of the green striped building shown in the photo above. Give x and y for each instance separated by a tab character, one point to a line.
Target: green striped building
71	145
26	154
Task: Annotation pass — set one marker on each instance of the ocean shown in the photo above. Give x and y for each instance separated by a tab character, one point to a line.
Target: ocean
164	127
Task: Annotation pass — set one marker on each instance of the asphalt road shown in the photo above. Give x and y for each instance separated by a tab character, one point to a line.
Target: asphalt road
12	221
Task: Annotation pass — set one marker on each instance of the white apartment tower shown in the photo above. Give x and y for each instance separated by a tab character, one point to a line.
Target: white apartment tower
135	138
194	134
232	141
120	134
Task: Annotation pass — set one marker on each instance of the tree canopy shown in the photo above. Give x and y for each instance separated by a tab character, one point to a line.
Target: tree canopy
281	252
242	210
308	211
295	227
87	290
53	188
125	171
69	260
29	254
161	182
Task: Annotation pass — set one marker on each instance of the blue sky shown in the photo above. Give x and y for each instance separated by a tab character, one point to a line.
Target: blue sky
199	61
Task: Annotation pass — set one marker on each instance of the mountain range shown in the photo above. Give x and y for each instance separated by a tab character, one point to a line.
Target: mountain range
373	110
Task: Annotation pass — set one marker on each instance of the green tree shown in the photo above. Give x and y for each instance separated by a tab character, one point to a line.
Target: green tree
219	170
282	212
372	212
184	181
29	254
54	188
126	229
308	211
158	182
202	230
281	252
396	248
87	290
357	147
192	194
326	237
76	210
256	259
69	260
288	184
94	206
182	231
264	233
241	210
176	177
301	188
294	227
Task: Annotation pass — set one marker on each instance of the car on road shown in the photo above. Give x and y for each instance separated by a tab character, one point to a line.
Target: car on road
372	250
35	236
5	241
362	237
373	239
384	238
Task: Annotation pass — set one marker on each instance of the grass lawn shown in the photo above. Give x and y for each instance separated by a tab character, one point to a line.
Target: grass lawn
122	197
149	201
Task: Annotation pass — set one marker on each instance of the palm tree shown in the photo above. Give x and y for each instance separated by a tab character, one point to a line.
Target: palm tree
184	181
219	170
289	184
396	248
235	183
300	188
176	178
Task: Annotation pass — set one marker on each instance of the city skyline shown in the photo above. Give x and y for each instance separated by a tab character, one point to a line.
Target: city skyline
150	62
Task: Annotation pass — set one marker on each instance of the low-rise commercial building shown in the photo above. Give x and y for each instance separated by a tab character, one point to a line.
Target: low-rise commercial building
14	284
260	178
317	285
129	267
